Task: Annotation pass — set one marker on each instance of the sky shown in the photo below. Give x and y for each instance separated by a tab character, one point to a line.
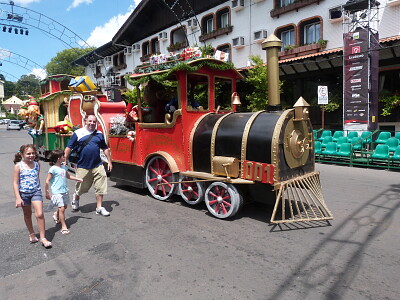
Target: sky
93	22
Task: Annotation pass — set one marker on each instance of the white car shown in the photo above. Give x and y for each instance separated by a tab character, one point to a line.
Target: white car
13	125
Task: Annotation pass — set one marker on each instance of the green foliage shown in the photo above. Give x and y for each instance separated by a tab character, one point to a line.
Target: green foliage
390	102
61	63
322	43
289	47
9	89
331	106
27	85
130	96
335	102
207	49
257	78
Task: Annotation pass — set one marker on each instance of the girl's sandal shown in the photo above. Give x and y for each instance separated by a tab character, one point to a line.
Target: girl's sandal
45	243
55	218
33	238
65	231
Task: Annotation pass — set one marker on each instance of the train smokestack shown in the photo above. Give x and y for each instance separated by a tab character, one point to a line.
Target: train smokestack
273	45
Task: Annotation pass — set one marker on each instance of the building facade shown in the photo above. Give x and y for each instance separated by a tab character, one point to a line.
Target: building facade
311	32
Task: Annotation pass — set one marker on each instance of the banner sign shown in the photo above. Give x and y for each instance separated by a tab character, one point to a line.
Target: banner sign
355	89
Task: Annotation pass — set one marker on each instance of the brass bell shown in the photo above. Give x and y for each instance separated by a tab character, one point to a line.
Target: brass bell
236	99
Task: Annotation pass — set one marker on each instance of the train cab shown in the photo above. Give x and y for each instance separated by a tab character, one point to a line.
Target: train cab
168	114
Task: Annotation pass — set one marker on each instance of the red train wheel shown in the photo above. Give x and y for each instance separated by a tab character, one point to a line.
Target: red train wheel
222	200
158	178
191	192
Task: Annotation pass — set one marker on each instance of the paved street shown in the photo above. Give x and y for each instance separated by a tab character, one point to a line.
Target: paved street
148	249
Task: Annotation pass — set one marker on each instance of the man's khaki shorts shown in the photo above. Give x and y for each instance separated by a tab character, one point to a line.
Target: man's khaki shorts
96	177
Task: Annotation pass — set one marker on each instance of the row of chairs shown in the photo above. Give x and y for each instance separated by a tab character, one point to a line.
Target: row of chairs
358	143
382	138
345	153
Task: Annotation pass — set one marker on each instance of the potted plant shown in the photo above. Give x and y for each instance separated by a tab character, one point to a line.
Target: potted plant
322	43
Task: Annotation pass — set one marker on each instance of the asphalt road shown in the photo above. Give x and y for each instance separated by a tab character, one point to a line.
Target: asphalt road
148	249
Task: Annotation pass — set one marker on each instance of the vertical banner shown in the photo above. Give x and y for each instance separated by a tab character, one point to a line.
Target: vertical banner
374	87
355	86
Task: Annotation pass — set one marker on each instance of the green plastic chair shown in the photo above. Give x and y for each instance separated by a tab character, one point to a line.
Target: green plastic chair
393	143
317	148
326	140
345	150
397	135
337	134
367	137
331	149
315	135
324	134
352	134
396	154
381	152
342	140
383	137
356	143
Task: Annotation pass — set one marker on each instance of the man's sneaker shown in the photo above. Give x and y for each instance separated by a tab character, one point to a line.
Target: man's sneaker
102	211
74	203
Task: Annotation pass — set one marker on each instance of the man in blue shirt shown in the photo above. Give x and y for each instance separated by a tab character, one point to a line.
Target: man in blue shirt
88	141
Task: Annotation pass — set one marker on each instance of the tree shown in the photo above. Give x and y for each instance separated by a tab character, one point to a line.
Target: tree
61	63
9	89
27	85
257	79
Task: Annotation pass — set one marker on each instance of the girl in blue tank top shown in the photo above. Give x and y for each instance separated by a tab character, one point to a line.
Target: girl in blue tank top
27	191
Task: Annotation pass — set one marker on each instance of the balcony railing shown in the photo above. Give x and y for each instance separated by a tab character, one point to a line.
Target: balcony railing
301	50
215	33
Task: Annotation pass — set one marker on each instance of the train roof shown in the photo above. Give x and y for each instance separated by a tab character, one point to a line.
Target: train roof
192	64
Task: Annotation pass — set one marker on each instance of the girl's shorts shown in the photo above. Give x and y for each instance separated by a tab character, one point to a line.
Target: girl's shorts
29	197
59	200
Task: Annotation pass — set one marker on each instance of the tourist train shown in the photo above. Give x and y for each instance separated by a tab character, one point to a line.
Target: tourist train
186	136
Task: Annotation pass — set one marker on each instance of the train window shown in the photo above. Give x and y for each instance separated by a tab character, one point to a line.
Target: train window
64	85
44	88
197	92
223	93
62	111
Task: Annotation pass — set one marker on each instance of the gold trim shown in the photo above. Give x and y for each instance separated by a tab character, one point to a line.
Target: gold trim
213	137
96	108
167	124
275	142
195	125
208	176
245	137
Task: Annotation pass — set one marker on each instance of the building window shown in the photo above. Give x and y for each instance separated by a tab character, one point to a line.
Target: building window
178	36
155	46
287	38
310	31
223	18
285	2
208	24
226	52
145	49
